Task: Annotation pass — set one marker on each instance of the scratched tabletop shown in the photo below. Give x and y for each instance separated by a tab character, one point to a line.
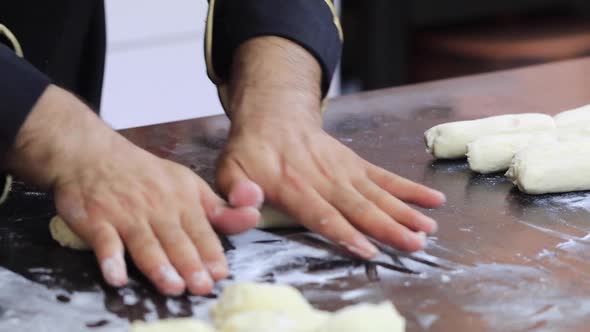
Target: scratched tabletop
501	261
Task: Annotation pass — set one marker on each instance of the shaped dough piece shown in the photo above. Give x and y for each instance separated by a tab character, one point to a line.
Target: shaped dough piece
168	325
367	318
494	153
450	140
243	297
274	218
553	168
579	117
61	232
275	321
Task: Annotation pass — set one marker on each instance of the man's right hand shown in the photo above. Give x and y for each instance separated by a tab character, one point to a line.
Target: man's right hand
116	195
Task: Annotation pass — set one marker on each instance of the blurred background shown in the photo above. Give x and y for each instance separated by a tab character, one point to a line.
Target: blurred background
156	70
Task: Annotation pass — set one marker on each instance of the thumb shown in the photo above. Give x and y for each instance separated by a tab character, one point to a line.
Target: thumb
235	184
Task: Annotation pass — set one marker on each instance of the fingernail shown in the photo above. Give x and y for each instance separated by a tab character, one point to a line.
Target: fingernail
218	211
201	280
366	246
170	275
259	194
442	196
253	210
217	269
421	237
114	272
74	211
362	247
429	224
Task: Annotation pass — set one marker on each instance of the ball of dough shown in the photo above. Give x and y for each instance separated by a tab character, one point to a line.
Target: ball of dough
243	297
61	232
274	321
274	218
367	318
450	140
168	325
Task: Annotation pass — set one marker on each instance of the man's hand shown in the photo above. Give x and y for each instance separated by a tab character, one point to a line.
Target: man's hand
276	140
115	195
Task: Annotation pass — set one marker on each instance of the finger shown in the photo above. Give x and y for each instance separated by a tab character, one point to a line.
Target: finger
184	257
203	237
371	220
226	219
308	206
404	189
395	208
100	235
236	185
148	255
109	251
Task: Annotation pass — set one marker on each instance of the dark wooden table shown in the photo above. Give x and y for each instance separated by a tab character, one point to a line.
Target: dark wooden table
502	261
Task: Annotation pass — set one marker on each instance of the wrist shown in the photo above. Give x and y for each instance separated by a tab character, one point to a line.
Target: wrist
52	138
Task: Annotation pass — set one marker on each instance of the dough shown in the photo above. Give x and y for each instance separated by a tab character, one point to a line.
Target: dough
494	153
366	318
450	140
275	321
574	118
61	232
168	325
242	297
274	218
553	168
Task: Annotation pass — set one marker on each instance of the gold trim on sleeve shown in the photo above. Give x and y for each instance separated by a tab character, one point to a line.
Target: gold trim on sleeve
6	189
336	19
209	44
15	44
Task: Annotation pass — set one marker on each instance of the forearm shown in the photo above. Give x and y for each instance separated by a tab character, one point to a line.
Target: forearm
270	71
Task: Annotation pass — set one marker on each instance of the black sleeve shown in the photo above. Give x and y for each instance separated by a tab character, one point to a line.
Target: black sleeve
20	87
313	24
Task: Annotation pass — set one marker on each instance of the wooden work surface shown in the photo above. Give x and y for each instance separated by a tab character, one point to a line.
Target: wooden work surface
502	261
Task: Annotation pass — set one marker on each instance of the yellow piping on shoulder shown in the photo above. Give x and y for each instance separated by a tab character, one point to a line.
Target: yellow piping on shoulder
6	190
15	44
336	19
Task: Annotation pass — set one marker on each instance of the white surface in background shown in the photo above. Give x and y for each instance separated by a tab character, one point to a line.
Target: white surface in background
155	69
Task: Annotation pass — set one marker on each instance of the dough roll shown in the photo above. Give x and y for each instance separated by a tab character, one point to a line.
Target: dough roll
494	153
579	117
553	168
450	140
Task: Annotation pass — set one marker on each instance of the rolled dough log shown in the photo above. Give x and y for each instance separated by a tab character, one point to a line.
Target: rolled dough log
168	325
450	140
243	297
275	321
61	232
494	153
367	318
579	117
552	168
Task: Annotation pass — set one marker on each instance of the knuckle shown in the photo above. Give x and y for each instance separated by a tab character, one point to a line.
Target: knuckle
362	209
